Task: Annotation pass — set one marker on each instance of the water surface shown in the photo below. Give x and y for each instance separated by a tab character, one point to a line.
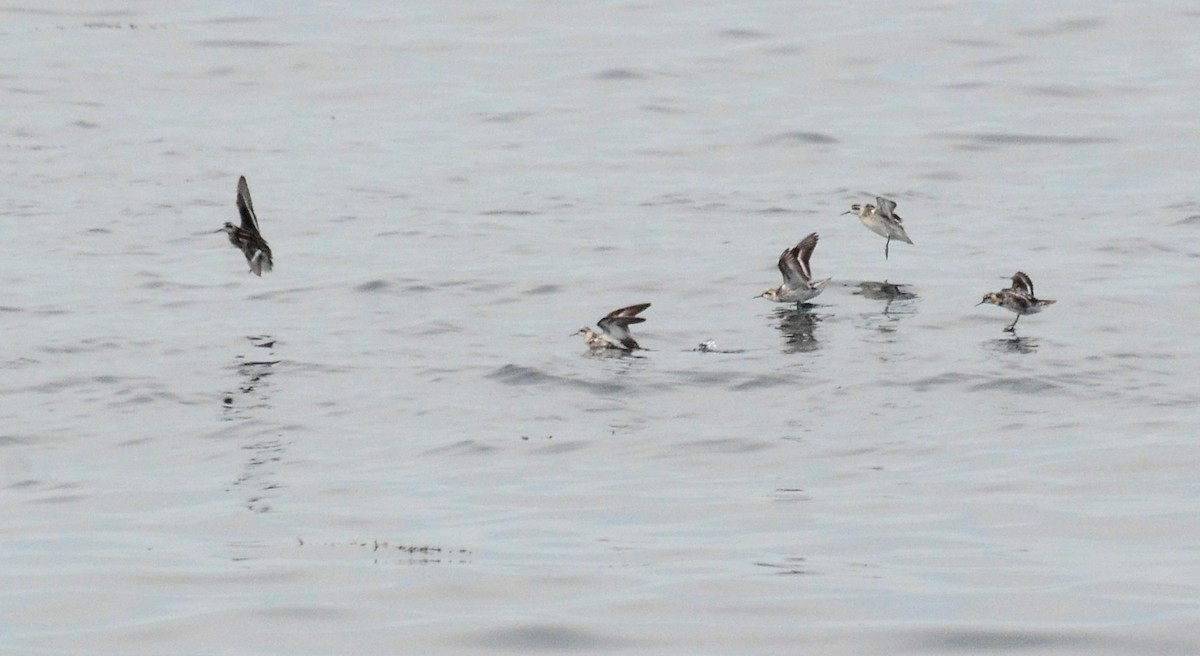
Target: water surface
390	444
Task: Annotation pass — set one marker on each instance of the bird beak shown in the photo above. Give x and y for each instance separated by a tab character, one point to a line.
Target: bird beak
847	212
219	230
979	303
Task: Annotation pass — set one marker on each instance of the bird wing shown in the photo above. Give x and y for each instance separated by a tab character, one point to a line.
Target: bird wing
887	208
789	266
616	324
616	330
1022	283
804	251
785	265
246	207
630	311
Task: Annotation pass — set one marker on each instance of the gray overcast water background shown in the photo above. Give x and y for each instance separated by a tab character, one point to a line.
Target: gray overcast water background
391	444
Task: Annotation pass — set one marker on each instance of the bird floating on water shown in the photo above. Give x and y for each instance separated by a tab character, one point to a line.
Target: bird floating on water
798	284
247	237
1018	298
614	329
882	220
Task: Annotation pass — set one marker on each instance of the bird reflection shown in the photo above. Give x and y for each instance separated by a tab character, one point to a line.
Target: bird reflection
797	326
1013	344
889	292
258	479
254	372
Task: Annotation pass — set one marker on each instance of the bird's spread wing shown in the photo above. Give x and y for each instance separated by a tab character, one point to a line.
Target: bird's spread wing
608	323
804	251
1021	283
630	311
616	324
246	207
887	208
616	329
793	264
787	269
789	266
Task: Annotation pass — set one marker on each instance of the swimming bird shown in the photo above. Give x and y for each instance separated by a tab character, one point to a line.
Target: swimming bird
798	285
247	237
1018	298
614	329
882	220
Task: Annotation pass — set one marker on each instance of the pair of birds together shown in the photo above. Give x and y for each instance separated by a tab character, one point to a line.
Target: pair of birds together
248	238
798	284
800	287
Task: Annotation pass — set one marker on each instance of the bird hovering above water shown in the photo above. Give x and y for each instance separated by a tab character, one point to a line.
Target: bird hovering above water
1018	298
614	329
798	286
881	220
247	237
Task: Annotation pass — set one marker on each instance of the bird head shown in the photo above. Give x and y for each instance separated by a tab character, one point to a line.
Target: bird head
992	298
860	210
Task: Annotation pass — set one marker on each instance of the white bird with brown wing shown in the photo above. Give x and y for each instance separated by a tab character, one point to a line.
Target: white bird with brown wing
882	220
1018	299
798	284
614	329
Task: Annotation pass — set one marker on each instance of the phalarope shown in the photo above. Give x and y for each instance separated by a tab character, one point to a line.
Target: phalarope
614	329
882	220
247	237
798	286
1018	298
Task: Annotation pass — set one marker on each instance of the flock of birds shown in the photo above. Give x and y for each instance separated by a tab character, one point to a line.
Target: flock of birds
798	286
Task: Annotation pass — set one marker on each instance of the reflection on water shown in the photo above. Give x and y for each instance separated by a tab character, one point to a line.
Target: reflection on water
615	353
1012	344
258	476
253	373
883	291
889	292
797	326
898	302
906	458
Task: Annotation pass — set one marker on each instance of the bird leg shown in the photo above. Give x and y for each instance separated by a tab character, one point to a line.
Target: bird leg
1012	327
885	247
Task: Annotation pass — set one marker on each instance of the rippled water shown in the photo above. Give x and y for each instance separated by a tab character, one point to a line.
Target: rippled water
392	445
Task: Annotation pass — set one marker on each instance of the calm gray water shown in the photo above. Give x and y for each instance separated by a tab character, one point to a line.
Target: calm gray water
392	445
